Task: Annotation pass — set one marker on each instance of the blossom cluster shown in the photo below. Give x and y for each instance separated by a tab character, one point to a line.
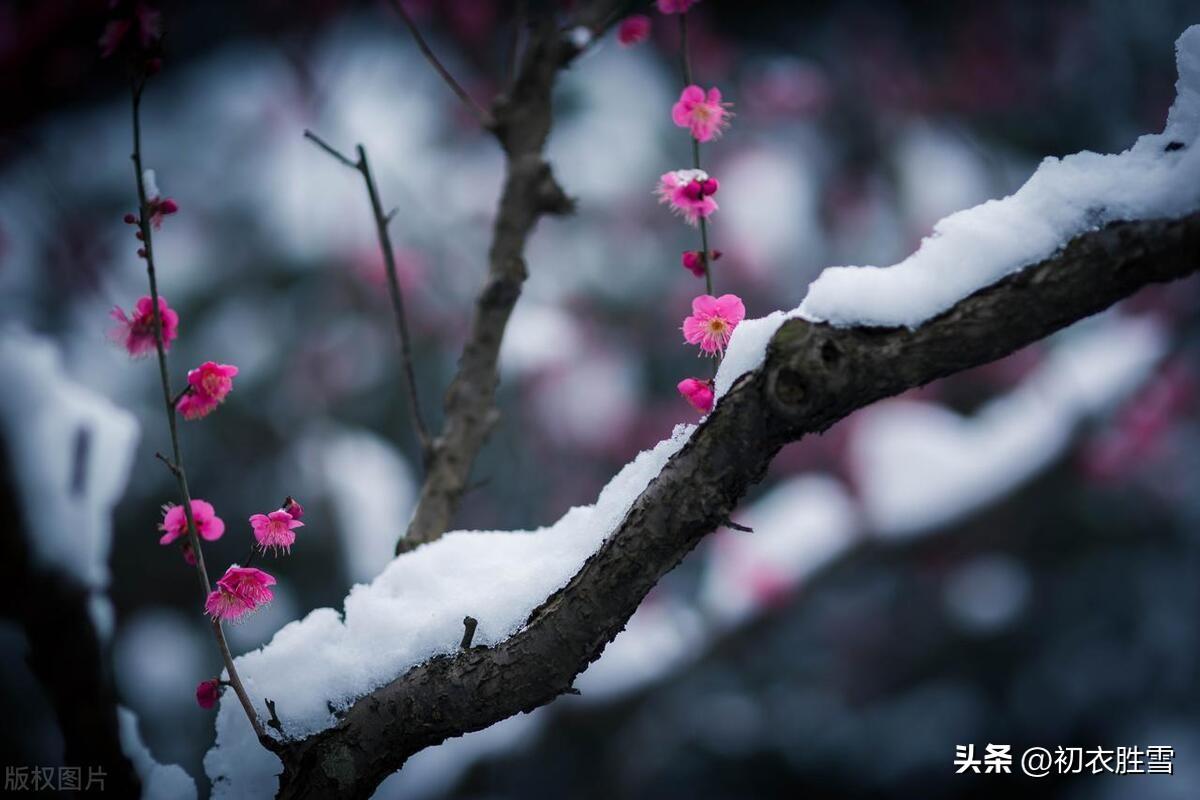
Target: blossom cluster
152	325
691	194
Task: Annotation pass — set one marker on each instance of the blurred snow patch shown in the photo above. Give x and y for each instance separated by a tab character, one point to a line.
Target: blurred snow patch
159	781
920	466
372	491
75	449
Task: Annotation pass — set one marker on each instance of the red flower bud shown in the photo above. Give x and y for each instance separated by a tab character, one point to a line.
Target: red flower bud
169	206
693	190
709	186
130	219
141	252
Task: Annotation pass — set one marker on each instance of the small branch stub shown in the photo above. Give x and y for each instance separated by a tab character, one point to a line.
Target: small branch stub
469	624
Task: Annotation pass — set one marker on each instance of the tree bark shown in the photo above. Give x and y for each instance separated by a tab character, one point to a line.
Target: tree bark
813	375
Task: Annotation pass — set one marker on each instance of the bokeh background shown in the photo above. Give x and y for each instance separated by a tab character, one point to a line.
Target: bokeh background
1010	555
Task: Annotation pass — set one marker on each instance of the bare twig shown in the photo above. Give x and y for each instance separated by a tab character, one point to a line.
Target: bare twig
363	167
167	462
176	462
485	119
733	526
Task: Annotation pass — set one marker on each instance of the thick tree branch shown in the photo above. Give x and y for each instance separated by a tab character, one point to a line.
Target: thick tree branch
813	375
521	122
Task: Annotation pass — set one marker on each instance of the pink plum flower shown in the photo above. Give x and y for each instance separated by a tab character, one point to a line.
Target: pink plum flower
712	321
689	193
697	392
159	206
675	6
694	264
276	530
209	526
239	591
208	693
702	114
148	31
135	332
208	384
633	30
291	506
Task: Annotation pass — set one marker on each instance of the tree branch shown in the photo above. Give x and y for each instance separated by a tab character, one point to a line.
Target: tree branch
521	122
813	375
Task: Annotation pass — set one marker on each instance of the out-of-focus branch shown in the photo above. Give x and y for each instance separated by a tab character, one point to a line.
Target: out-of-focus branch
812	376
363	167
485	119
521	121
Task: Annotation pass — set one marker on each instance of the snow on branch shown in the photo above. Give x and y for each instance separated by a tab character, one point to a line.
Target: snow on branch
360	692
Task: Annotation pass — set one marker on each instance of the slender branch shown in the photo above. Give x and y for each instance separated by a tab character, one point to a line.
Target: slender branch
363	167
522	120
813	375
485	119
176	462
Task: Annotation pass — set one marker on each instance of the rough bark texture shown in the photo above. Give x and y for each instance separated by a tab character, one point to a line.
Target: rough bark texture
813	375
521	122
66	653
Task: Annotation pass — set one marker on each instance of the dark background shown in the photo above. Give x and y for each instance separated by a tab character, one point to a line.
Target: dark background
858	126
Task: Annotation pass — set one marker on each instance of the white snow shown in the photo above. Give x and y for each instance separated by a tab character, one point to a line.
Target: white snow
977	247
411	612
74	448
920	466
159	781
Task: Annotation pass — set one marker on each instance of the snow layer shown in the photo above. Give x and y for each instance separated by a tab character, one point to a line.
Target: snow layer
410	613
159	781
919	466
1064	198
977	247
74	448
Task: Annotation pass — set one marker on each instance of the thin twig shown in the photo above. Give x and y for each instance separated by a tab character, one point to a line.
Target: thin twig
328	148
176	463
363	167
169	463
485	119
514	49
736	527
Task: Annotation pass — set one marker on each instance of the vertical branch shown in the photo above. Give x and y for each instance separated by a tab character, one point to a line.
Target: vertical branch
363	167
176	465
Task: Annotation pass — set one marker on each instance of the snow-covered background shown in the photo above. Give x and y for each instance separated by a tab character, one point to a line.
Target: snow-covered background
961	554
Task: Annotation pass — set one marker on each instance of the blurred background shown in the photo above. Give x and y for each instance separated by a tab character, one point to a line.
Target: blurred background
1010	555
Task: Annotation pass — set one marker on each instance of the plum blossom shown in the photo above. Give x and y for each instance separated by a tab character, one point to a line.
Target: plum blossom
208	692
633	30
209	526
675	6
689	193
275	530
291	506
712	321
694	264
157	205
697	392
148	22
135	332
701	113
239	591
208	384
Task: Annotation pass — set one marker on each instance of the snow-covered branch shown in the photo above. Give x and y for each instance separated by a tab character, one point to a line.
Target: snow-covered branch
814	374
